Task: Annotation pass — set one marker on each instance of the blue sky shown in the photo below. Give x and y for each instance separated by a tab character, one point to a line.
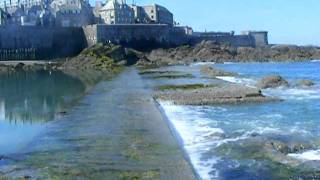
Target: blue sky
288	21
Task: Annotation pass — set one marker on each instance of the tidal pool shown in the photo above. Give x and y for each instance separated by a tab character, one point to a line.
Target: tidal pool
31	100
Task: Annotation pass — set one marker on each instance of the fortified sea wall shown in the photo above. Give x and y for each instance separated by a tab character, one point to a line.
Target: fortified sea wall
32	43
132	35
151	35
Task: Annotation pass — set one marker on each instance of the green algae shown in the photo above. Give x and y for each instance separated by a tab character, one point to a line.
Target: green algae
60	163
161	74
153	71
184	87
173	76
129	175
106	63
100	50
107	58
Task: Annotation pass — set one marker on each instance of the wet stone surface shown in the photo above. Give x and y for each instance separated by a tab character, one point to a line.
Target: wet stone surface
116	131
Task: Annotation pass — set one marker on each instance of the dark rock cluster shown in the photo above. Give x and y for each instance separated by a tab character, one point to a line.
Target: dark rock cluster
209	51
272	82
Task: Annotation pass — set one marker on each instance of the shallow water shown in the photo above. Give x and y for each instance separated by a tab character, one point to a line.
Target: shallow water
31	100
238	142
114	132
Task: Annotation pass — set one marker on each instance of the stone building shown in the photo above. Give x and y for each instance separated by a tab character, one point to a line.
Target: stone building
157	14
11	5
3	17
63	13
116	12
37	15
26	12
72	13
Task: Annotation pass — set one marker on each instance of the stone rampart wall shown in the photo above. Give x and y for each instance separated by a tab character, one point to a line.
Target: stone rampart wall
30	42
138	36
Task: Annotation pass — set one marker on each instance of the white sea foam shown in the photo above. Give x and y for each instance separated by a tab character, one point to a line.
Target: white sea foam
294	93
197	136
202	63
200	134
313	155
315	61
283	93
238	80
229	63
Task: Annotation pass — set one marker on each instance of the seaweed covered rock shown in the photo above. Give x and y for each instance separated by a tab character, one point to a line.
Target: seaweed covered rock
115	52
101	57
272	82
213	72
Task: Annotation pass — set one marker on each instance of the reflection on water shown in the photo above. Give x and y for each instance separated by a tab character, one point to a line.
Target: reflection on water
30	97
28	100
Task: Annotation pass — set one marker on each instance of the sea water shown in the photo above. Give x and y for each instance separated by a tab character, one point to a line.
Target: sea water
231	142
31	100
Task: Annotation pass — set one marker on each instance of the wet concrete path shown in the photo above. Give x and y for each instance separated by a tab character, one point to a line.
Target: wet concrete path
116	132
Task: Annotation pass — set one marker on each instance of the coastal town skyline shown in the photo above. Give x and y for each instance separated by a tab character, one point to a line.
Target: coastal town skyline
288	22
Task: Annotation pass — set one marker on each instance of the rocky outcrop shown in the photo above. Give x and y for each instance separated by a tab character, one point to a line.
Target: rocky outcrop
223	94
272	82
27	66
213	72
305	83
209	51
103	57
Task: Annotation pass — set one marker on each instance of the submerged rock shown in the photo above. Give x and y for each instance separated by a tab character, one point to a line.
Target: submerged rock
305	83
272	82
210	71
266	148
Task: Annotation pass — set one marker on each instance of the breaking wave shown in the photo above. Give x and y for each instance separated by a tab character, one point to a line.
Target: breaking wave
196	134
238	80
312	155
199	134
292	93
